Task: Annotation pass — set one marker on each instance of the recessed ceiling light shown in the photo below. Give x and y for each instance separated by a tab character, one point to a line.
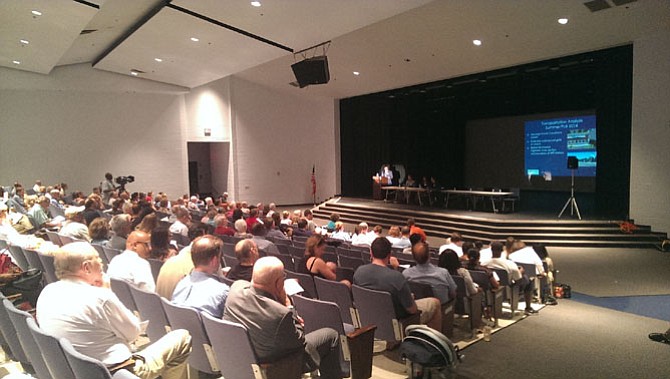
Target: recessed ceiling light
356	73
476	42
563	21
36	12
256	3
158	59
16	62
24	42
134	73
194	39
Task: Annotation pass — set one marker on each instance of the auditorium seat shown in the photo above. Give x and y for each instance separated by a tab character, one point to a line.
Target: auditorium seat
26	339
16	351
423	290
306	282
494	296
54	238
33	259
340	294
49	272
470	305
155	265
85	367
101	254
150	308
51	350
121	289
110	253
19	258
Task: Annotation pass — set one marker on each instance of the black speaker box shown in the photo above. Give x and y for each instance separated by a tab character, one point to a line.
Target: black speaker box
573	163
311	71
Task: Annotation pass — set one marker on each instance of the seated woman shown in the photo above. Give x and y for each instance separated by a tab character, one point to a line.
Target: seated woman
472	264
313	264
160	244
98	230
449	260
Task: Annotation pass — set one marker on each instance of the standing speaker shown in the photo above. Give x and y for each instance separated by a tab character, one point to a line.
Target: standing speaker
311	71
573	163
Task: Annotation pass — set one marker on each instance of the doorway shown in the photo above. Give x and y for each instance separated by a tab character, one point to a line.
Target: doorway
208	164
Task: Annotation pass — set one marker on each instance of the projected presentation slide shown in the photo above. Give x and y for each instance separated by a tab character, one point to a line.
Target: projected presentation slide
549	143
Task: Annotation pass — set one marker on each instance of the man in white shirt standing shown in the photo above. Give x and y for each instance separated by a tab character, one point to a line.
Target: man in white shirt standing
132	265
79	307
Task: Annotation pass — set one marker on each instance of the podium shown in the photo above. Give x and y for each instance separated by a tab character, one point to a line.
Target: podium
377	183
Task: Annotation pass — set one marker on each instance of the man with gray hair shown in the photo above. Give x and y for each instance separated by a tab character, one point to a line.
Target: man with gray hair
274	329
81	309
120	225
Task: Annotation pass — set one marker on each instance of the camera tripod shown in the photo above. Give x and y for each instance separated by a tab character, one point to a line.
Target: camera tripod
571	201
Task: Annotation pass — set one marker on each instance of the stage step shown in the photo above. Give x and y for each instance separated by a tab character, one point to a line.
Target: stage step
487	227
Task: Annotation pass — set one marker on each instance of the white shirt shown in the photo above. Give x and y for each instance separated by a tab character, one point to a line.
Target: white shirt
360	239
452	246
341	235
485	256
507	265
528	255
92	318
132	268
179	228
401	243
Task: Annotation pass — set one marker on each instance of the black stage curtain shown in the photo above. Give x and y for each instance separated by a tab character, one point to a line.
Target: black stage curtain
423	126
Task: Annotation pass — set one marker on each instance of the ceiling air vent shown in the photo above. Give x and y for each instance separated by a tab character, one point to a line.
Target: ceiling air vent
597	5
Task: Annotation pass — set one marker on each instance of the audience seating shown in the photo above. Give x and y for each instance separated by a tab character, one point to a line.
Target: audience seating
343	251
19	258
155	265
287	260
85	367
296	252
376	308
150	308
122	290
202	357
236	357
356	345
33	259
229	261
65	239
30	348
51	350
101	253
340	294
16	351
54	238
470	305
351	262
110	253
306	281
49	267
511	290
494	296
228	249
423	290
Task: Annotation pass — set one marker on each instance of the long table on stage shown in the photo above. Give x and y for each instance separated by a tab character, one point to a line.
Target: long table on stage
474	196
407	191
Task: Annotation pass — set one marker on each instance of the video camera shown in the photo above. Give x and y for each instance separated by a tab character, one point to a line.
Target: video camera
123	180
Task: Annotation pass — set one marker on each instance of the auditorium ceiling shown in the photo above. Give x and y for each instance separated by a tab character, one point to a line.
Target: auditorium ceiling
389	43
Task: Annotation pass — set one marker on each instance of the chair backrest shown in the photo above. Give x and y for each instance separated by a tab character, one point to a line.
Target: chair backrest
287	260
228	249
150	308
53	354
49	267
33	259
353	253
376	308
420	290
529	269
84	367
110	253
306	281
65	239
503	276
296	252
54	238
122	290
155	265
202	357
101	254
351	262
10	335
232	348
284	247
340	294
19	258
18	319
230	261
481	278
329	257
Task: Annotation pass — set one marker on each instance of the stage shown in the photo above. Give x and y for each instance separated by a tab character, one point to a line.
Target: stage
532	227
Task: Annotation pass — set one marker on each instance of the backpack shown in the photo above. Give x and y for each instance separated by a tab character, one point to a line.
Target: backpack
428	348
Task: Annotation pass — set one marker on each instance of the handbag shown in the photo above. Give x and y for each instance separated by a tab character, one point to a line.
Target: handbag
28	284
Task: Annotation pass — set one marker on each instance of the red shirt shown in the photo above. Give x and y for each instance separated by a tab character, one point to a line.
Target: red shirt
416	230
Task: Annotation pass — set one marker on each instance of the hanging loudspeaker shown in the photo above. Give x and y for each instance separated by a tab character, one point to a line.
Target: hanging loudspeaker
573	163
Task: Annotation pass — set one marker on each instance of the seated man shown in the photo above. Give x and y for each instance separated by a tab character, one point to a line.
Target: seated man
444	287
247	254
202	289
39	213
180	226
274	329
74	227
120	226
514	273
132	265
178	266
377	276
454	243
78	307
259	231
520	253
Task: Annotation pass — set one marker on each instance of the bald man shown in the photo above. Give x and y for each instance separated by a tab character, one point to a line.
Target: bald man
132	265
275	330
78	307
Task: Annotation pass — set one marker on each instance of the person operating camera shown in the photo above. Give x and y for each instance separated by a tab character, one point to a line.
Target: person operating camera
107	187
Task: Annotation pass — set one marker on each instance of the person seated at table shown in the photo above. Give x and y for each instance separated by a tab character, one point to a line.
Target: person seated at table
410	182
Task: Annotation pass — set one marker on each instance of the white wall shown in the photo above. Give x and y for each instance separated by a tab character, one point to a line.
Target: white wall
277	138
650	152
78	123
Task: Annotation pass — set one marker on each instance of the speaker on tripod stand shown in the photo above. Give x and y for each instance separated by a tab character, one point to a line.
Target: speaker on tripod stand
573	164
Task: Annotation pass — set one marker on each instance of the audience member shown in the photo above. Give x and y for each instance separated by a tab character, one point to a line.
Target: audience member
274	329
222	226
515	274
98	230
241	229
450	261
120	226
413	240
180	226
334	218
444	287
403	242
74	226
414	228
246	253
312	262
252	219
473	264
93	208
520	253
362	238
202	289
148	223
98	325
302	230
132	265
259	232
378	276
340	233
311	225
40	214
177	267
455	243
161	249
273	229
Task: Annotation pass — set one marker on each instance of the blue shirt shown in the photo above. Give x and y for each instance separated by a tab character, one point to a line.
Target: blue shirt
203	292
439	279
